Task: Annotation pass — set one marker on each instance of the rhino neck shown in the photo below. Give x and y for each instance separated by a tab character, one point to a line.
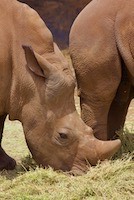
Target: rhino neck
22	89
22	85
20	96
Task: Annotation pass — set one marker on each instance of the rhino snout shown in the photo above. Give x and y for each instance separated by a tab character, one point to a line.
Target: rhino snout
106	149
92	150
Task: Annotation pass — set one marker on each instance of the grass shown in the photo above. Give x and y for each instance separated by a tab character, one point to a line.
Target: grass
110	180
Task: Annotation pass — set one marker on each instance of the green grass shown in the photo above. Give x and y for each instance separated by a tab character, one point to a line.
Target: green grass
110	180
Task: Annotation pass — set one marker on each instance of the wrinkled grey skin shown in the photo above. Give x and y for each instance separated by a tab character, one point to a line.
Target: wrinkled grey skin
37	88
102	51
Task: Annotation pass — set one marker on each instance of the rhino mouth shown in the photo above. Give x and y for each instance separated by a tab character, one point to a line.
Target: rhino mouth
80	167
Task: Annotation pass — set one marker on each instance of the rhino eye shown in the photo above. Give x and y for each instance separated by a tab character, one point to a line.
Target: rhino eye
63	136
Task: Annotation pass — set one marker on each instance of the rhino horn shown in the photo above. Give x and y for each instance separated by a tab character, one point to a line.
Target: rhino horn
106	149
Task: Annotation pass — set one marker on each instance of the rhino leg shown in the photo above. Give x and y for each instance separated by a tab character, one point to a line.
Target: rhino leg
97	90
6	162
119	107
94	114
98	74
2	120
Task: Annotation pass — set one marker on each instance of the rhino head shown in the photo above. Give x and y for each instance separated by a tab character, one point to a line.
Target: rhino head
55	134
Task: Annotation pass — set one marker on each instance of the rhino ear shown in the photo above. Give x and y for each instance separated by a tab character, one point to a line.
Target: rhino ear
36	63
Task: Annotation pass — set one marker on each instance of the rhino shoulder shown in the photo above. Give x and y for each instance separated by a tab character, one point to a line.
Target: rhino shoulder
34	20
33	28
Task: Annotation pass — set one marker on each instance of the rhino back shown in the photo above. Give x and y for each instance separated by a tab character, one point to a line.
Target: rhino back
96	27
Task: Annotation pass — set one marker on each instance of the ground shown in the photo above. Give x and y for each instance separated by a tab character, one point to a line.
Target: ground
130	116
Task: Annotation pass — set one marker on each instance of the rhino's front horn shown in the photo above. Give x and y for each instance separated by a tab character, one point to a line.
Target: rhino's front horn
106	149
93	150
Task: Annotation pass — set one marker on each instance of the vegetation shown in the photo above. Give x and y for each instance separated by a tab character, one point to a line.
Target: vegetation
110	180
